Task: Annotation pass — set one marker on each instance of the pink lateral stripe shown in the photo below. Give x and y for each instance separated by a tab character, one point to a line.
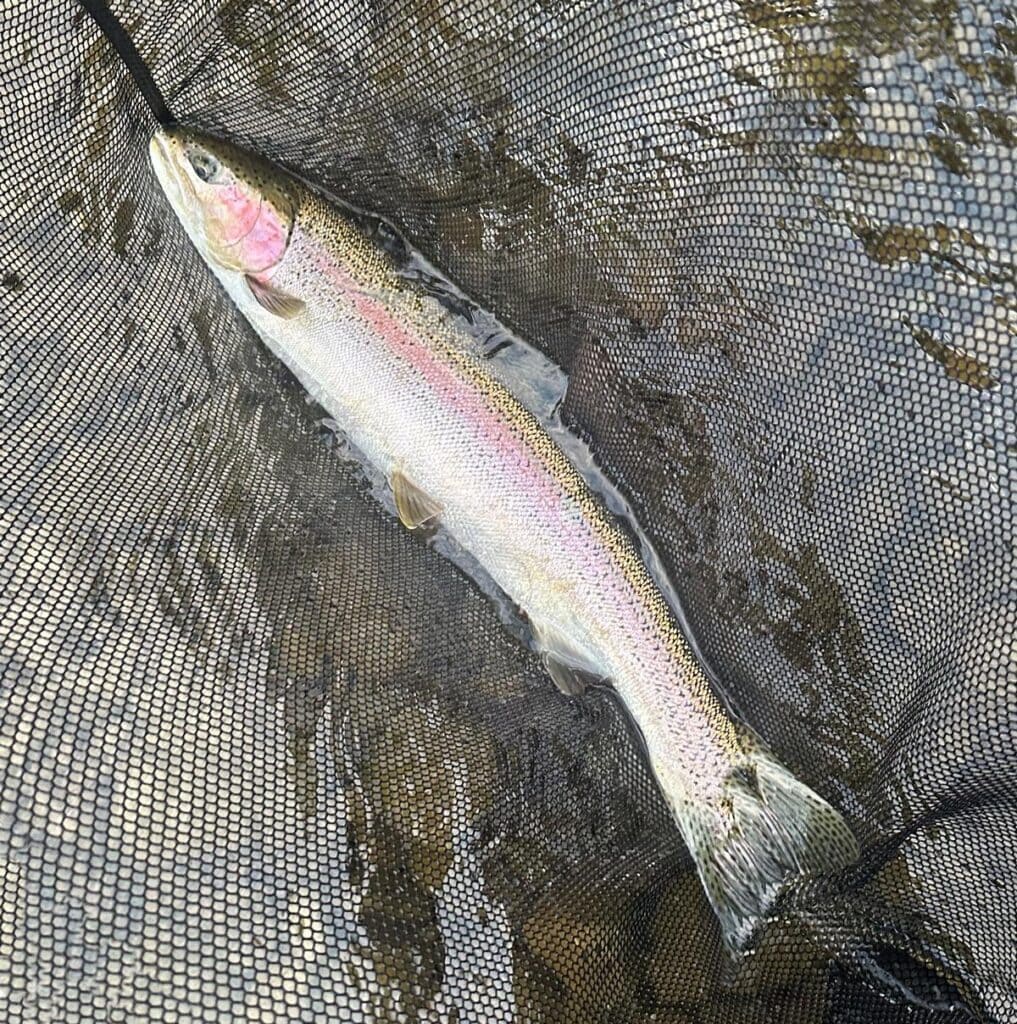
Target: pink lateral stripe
449	387
463	398
523	465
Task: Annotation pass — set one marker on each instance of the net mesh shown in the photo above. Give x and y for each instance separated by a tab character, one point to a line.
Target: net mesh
266	756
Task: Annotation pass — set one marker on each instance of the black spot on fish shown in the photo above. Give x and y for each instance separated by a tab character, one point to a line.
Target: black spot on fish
746	775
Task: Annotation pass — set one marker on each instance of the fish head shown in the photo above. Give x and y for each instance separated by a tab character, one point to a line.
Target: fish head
237	208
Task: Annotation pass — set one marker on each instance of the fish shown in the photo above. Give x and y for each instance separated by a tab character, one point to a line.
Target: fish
407	387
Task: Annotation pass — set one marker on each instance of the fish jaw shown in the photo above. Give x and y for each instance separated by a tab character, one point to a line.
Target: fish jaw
161	153
165	153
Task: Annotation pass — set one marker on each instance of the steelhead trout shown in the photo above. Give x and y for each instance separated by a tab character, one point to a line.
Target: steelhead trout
410	391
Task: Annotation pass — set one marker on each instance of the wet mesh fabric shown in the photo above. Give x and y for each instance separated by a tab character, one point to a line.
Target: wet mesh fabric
266	756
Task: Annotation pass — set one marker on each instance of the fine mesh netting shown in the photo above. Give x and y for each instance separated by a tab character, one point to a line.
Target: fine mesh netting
267	756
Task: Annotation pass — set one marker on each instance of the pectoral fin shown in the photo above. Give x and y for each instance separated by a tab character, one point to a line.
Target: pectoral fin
415	508
571	669
275	301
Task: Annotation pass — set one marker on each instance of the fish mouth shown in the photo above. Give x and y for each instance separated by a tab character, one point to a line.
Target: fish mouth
158	148
164	153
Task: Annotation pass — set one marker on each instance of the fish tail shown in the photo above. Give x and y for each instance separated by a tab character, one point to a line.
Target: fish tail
764	828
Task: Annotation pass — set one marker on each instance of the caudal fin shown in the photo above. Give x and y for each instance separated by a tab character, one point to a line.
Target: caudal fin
766	828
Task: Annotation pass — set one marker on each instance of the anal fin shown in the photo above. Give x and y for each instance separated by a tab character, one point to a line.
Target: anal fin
415	507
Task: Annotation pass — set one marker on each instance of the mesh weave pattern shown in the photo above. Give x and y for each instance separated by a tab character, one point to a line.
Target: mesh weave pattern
265	756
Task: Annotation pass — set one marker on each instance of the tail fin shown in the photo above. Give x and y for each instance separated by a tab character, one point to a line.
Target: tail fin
766	827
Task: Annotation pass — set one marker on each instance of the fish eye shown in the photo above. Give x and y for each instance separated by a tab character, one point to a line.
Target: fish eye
205	165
